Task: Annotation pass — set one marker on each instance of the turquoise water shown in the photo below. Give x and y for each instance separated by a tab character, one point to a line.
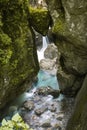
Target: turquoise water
45	79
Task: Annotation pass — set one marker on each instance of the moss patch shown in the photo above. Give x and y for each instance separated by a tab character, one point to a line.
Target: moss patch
39	19
59	26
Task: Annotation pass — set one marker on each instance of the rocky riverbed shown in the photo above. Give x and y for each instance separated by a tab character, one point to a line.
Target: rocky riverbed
44	112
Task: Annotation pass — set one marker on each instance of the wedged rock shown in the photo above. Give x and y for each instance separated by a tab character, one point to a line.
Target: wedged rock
48	91
29	105
50	63
51	51
39	19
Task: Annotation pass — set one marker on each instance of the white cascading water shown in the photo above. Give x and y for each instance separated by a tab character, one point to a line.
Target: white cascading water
40	53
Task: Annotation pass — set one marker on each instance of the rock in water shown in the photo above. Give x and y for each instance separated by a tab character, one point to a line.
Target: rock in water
40	110
51	52
46	123
49	65
51	57
48	91
29	105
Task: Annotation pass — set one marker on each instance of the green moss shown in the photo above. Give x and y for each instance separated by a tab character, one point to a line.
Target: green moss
39	19
59	26
17	61
5	48
5	40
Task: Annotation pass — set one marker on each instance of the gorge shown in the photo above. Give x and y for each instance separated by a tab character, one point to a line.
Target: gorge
18	55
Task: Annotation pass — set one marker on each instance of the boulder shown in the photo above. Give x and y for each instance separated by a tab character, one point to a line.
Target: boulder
51	59
48	91
51	51
29	105
39	19
49	65
46	123
40	110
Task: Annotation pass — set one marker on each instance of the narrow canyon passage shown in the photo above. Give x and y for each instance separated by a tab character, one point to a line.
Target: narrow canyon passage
43	107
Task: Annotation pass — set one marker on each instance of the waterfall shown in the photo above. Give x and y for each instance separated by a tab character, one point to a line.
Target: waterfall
45	78
40	53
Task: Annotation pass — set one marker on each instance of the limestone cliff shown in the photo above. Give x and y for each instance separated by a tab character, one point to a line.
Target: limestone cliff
18	60
70	34
78	120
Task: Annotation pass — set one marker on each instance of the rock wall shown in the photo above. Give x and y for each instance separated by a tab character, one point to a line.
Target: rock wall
69	30
78	120
18	59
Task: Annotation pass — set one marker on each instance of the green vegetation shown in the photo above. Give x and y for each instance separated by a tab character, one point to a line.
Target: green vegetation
16	123
39	19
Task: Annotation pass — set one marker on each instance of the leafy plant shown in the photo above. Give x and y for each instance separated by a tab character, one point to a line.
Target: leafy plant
16	123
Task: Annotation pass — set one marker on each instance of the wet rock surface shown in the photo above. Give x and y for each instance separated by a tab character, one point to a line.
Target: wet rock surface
29	105
43	111
51	58
48	91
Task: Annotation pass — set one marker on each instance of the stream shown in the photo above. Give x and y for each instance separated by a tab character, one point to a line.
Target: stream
40	109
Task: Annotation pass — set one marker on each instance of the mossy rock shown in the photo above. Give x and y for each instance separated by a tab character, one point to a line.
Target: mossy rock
39	19
18	60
